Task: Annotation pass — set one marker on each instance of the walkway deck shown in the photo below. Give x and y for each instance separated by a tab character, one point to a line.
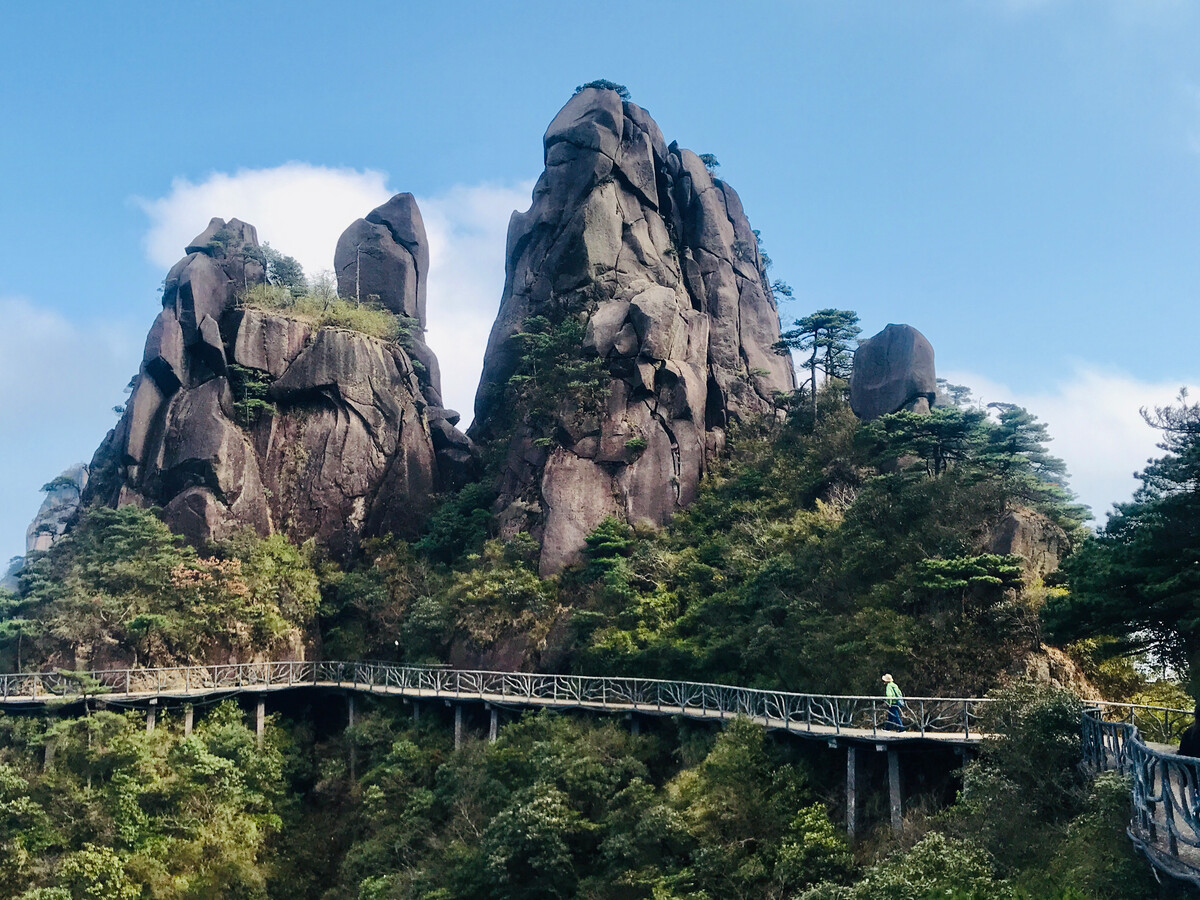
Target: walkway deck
831	718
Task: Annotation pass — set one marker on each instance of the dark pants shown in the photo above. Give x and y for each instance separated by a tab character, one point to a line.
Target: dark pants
894	722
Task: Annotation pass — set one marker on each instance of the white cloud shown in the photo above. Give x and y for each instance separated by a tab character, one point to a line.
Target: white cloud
1096	425
467	227
59	381
300	209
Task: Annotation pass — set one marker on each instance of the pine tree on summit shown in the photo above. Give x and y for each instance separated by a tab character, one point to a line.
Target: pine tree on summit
826	336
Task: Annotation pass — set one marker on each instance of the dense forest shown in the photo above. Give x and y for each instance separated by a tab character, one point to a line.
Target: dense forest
820	552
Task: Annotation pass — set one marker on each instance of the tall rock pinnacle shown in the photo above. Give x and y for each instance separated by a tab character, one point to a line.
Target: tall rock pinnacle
244	417
639	244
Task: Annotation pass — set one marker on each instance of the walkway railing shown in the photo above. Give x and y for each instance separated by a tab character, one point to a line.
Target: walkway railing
855	716
1165	819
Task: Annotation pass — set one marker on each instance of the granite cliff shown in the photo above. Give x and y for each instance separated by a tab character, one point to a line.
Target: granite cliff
633	242
345	442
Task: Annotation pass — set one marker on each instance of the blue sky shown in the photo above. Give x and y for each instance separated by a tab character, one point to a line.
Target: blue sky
1020	180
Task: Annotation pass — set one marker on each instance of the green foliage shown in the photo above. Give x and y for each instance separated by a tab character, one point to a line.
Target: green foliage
460	525
940	439
126	813
60	481
380	608
499	595
555	383
807	562
826	336
602	84
282	270
249	388
121	586
329	311
936	867
1138	580
710	162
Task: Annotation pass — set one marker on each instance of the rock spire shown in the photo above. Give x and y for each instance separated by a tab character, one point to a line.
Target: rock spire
243	417
636	241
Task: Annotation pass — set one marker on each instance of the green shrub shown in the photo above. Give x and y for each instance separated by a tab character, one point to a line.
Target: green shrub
329	312
603	84
249	388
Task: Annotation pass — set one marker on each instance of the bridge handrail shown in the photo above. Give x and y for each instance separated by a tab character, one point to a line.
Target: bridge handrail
1165	816
937	715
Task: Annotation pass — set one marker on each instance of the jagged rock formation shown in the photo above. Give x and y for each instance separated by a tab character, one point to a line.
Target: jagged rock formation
63	497
340	445
893	371
636	238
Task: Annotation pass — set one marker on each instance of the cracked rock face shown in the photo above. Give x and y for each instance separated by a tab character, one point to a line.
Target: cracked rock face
339	445
636	238
893	371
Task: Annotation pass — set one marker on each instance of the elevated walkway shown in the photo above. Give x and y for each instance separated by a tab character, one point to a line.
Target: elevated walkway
1165	816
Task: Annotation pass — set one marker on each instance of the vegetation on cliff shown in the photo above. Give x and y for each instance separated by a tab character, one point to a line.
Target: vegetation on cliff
819	552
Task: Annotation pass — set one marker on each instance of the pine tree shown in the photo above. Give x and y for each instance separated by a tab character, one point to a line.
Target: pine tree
826	336
1139	579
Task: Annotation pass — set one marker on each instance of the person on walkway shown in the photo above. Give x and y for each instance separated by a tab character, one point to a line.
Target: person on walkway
1189	743
895	700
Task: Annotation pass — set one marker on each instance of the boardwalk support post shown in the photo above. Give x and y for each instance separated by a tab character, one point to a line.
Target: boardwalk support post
458	726
494	726
188	713
894	788
260	719
350	737
151	714
851	791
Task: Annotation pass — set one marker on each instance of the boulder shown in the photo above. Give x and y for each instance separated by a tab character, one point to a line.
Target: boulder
636	239
893	371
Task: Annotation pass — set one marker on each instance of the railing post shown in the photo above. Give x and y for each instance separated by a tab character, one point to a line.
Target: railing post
127	681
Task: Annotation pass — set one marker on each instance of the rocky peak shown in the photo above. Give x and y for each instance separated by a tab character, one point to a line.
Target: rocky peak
636	240
893	371
252	418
